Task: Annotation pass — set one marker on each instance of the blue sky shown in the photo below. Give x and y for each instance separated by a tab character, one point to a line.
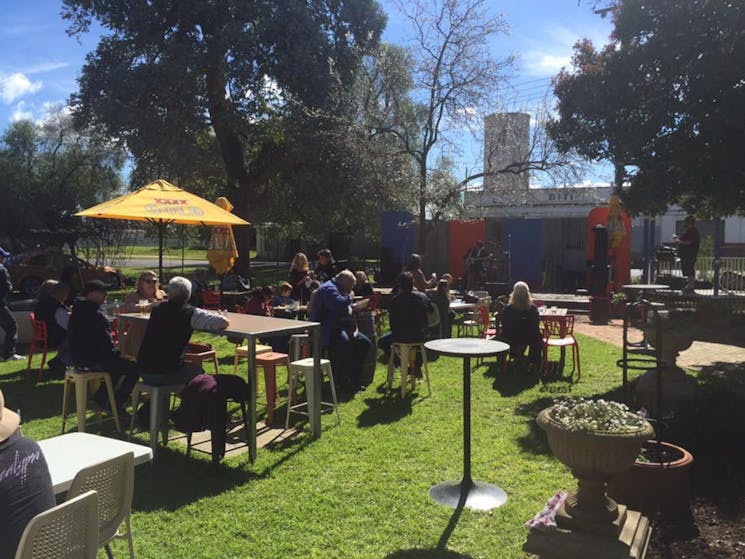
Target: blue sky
39	62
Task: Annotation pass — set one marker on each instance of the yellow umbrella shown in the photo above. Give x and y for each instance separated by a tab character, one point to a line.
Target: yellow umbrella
162	203
222	252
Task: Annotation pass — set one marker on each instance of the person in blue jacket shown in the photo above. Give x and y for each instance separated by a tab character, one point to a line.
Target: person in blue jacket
347	346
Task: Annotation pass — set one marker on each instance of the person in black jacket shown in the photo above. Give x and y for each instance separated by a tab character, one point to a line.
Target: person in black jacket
92	346
326	266
7	320
409	317
171	324
50	308
520	325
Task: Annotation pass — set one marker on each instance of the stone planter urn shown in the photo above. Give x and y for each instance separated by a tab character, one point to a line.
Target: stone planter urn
603	441
594	458
677	333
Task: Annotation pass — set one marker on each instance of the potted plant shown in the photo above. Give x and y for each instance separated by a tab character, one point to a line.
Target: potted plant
658	481
597	440
618	302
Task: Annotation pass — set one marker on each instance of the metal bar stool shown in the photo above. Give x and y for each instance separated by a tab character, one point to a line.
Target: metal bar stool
80	379
407	355
159	407
268	361
304	368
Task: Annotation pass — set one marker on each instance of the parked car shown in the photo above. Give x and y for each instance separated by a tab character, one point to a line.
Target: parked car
28	271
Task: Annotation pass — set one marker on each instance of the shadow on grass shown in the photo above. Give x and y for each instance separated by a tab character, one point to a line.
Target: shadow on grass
36	400
173	480
513	379
440	551
388	409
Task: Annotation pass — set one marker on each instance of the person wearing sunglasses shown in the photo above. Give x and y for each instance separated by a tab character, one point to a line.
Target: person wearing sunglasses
147	296
147	290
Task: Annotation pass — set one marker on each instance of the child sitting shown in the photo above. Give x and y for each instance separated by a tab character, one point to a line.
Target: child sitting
282	298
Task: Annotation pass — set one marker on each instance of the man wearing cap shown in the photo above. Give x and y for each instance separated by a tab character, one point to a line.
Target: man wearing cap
7	320
25	483
93	348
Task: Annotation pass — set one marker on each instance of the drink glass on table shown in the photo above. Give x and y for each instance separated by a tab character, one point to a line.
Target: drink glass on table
143	306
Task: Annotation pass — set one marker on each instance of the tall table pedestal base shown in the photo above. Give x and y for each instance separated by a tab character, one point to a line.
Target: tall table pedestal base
478	495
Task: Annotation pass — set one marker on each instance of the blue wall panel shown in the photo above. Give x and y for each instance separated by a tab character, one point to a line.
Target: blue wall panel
526	240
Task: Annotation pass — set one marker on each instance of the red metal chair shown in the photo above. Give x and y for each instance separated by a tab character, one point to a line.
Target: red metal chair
211	300
375	306
558	331
39	341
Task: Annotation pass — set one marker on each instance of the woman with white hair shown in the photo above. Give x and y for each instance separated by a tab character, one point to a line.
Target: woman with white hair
520	325
171	324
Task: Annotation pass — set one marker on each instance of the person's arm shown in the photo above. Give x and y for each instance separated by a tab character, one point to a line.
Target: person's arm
336	301
209	321
5	286
62	317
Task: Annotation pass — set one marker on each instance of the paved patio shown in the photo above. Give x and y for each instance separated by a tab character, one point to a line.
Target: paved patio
699	355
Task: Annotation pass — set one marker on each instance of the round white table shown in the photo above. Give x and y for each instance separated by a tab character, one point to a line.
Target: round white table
475	495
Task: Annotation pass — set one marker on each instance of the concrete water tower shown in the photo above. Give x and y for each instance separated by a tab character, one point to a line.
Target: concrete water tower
506	142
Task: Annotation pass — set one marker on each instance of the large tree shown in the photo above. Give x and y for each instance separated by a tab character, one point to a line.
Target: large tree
49	171
173	71
664	102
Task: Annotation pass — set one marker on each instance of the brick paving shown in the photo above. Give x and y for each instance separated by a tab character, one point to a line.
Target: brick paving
699	355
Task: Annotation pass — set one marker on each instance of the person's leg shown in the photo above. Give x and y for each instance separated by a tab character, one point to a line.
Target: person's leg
9	324
688	267
535	354
384	343
360	345
340	358
124	375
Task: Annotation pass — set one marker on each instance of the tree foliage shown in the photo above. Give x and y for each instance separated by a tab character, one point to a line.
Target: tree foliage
179	81
664	100
50	171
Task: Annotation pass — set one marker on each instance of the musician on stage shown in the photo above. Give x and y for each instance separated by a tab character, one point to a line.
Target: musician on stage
474	265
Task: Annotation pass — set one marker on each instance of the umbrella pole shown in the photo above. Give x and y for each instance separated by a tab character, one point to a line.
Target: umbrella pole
161	232
222	277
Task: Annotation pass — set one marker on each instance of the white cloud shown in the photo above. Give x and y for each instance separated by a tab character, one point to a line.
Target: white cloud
44	67
14	86
554	50
538	63
21	112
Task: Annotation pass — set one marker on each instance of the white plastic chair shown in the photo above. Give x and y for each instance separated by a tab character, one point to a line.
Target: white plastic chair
67	531
114	482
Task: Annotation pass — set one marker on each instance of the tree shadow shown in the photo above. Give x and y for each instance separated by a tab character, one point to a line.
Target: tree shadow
385	410
36	400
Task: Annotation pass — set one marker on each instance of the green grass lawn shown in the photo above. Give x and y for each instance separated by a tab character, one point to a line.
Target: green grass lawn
173	251
361	490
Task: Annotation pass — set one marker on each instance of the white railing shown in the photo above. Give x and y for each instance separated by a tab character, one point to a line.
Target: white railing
705	267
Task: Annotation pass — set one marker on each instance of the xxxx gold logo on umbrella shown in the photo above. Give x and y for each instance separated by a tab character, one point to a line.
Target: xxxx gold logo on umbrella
173	208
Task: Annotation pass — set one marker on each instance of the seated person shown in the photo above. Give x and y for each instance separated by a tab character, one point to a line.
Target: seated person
520	325
92	345
233	282
50	308
408	313
415	267
326	266
441	298
147	290
332	307
171	324
199	285
258	302
25	483
282	298
362	286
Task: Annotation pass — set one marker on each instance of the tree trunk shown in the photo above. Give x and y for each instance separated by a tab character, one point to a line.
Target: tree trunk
231	150
421	244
